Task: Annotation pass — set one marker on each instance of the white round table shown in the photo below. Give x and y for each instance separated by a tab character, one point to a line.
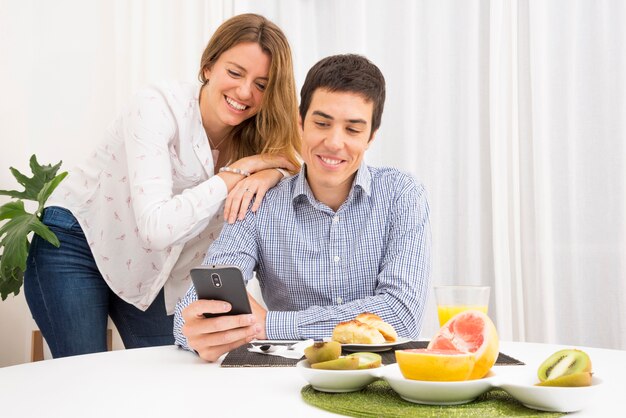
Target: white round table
170	382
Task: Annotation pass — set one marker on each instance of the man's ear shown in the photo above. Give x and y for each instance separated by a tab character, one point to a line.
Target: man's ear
371	139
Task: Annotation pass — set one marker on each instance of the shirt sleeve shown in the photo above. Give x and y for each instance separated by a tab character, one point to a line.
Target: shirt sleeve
163	218
179	339
403	281
236	246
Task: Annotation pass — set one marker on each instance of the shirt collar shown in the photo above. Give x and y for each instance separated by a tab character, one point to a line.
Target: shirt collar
199	137
363	180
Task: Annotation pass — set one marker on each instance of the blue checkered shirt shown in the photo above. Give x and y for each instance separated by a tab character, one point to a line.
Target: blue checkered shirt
317	267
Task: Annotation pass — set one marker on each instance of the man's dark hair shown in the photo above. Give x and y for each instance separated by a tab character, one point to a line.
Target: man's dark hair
346	73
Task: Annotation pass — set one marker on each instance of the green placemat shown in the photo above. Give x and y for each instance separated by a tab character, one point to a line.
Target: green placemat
379	400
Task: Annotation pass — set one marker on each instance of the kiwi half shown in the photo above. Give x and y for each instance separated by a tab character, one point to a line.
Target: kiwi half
368	360
564	363
320	352
570	380
342	363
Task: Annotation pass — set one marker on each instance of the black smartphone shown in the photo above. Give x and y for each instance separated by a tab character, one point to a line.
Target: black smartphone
222	283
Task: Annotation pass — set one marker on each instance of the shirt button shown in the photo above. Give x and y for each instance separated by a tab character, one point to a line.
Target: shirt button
339	300
336	258
335	219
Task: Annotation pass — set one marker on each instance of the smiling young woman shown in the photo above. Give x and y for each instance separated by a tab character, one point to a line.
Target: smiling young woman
274	129
142	210
234	94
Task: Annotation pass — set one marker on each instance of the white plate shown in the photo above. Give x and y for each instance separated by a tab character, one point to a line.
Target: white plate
337	380
436	393
546	398
373	348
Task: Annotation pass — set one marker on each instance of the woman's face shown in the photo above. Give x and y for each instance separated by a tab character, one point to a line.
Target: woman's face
236	84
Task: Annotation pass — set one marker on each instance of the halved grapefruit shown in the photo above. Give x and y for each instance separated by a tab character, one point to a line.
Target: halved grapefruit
435	364
471	332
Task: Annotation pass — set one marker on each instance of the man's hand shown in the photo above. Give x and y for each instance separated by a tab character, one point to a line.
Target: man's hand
212	337
259	314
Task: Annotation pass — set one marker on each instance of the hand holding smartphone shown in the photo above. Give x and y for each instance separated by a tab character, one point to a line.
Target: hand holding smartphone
220	282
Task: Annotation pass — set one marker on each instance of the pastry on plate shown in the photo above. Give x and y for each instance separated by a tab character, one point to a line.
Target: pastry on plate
357	332
383	327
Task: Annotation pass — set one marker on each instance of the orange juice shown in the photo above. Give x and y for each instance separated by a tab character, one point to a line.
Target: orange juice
446	312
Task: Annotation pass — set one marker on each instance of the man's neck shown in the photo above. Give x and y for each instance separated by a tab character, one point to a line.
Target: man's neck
333	197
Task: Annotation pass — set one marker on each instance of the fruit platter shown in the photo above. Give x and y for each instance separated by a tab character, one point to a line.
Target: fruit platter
456	368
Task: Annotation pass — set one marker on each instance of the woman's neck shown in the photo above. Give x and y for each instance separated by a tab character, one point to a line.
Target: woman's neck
216	131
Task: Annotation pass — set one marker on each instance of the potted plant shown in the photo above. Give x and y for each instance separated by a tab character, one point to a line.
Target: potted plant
18	223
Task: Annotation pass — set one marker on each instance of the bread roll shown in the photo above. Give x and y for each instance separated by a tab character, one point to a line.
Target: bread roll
376	321
357	332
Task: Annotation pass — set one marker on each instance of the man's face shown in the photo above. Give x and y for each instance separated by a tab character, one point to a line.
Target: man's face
335	134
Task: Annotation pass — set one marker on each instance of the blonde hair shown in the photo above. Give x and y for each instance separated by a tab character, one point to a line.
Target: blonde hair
274	129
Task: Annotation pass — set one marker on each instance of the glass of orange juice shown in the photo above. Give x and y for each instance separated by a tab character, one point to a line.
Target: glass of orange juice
454	299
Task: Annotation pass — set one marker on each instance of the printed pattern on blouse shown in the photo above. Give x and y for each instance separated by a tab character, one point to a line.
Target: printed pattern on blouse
317	267
147	196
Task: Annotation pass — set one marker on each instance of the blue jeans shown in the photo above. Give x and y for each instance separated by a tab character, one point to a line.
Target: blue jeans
70	301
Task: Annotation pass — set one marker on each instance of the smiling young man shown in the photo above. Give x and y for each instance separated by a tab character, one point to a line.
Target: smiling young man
338	239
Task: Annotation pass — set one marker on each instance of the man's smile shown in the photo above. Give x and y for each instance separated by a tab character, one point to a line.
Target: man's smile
330	161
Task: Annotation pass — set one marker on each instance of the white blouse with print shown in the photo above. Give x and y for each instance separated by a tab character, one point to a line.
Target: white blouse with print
147	199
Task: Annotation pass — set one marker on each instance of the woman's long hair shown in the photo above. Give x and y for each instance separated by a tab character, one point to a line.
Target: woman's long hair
274	129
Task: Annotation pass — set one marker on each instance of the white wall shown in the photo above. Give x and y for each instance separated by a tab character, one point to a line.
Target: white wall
51	77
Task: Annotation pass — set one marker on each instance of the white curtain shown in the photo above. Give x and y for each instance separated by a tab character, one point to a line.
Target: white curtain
511	112
573	188
557	132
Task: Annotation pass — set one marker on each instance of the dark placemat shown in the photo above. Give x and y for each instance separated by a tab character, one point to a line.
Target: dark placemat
241	357
379	400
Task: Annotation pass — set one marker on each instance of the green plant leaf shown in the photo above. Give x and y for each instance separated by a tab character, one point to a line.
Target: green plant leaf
11	283
14	245
47	190
14	240
14	233
42	174
11	210
44	232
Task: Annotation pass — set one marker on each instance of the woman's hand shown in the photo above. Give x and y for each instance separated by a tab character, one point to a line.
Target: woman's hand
212	337
241	195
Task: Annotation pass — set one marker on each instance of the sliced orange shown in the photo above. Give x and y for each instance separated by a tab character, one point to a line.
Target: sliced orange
435	365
